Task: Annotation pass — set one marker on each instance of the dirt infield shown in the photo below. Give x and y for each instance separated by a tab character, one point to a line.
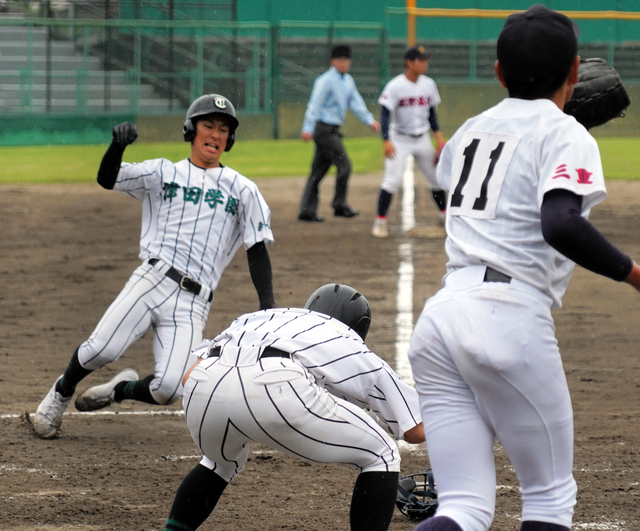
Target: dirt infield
66	253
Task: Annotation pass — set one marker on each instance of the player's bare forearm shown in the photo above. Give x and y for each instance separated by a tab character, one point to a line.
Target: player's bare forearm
634	277
439	139
389	150
415	435
188	373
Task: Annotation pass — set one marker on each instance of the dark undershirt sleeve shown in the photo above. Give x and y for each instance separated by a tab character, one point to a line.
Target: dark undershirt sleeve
110	165
384	122
433	119
576	238
261	274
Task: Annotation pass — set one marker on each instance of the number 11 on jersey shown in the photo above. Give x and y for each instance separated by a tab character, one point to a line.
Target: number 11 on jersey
479	168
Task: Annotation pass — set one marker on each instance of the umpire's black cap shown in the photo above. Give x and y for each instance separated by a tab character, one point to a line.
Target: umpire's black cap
341	51
537	44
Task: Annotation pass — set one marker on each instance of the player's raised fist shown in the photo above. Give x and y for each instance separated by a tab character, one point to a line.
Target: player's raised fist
125	133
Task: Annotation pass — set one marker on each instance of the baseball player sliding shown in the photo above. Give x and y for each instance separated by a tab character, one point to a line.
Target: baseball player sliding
522	178
195	214
411	100
297	380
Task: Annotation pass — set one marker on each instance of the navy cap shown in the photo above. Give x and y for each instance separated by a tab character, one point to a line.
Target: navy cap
341	51
416	52
537	44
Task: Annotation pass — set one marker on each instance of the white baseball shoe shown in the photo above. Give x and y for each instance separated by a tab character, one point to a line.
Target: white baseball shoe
100	396
379	229
48	417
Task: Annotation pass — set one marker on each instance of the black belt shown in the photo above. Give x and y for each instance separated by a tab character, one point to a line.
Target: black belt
269	352
412	136
332	126
491	275
184	281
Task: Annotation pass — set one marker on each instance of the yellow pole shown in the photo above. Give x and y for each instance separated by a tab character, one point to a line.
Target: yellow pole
411	22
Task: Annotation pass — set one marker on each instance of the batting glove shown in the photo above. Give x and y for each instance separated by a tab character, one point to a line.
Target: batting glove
125	133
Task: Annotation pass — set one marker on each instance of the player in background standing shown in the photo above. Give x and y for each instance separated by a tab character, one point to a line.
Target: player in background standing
411	100
333	93
195	215
297	380
522	178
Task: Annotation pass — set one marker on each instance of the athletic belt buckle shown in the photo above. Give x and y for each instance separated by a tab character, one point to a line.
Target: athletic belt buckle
188	284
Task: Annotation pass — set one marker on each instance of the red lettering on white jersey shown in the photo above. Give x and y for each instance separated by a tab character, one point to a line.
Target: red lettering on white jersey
561	171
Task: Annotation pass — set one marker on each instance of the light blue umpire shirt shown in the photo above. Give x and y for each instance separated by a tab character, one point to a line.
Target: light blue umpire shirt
332	94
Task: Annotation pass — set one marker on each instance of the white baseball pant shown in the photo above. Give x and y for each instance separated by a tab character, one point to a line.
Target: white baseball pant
150	299
486	364
423	153
277	403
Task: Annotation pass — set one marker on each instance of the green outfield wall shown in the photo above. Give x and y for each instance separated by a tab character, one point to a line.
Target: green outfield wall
275	11
459	102
68	79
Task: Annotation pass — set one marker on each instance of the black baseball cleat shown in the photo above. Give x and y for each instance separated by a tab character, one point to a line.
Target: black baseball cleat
345	212
310	217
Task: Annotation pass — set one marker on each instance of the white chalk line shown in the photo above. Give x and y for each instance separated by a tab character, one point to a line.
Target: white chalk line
145	413
404	300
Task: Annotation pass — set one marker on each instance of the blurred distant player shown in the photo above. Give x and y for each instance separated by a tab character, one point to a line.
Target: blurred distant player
333	93
411	99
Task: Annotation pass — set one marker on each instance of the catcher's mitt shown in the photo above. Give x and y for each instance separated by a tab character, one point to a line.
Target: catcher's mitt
599	94
416	497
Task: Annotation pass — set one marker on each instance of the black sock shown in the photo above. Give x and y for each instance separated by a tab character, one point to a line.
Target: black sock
438	523
440	197
384	202
373	501
135	390
72	376
195	499
532	525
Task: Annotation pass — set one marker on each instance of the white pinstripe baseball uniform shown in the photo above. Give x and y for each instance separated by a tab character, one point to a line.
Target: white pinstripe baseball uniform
305	400
484	354
409	104
193	220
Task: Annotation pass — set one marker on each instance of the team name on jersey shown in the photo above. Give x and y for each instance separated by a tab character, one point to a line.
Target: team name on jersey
193	194
422	101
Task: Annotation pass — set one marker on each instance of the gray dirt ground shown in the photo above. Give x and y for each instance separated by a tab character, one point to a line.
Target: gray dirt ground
67	251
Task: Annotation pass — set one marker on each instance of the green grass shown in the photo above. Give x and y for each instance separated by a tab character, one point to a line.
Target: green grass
255	158
620	157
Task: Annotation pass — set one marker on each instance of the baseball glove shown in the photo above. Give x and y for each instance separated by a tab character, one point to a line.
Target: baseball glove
599	95
416	497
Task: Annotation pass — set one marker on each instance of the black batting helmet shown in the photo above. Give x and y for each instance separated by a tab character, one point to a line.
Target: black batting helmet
345	304
206	105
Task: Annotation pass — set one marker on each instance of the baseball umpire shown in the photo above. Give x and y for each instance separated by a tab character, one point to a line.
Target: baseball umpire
297	380
411	100
195	215
522	178
333	92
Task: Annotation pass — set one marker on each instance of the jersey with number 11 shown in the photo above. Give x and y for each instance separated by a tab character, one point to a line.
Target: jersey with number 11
497	168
